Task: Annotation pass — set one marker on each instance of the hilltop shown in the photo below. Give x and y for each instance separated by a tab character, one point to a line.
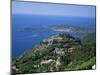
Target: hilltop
61	52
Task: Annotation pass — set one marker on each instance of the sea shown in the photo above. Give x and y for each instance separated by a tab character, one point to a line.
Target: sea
25	40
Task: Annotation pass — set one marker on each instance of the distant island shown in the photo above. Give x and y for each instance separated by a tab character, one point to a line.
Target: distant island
59	28
61	52
34	29
66	28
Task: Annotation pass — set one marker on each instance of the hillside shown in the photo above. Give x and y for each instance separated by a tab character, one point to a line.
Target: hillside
61	52
90	38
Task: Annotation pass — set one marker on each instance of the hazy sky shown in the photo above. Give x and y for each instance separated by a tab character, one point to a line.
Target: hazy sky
52	9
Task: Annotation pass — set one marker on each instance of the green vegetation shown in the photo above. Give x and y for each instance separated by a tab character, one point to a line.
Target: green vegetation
61	52
86	65
83	65
90	38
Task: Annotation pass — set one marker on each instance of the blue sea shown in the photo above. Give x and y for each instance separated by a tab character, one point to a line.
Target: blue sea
23	41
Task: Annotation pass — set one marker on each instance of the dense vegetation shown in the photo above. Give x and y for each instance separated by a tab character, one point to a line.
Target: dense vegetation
61	52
